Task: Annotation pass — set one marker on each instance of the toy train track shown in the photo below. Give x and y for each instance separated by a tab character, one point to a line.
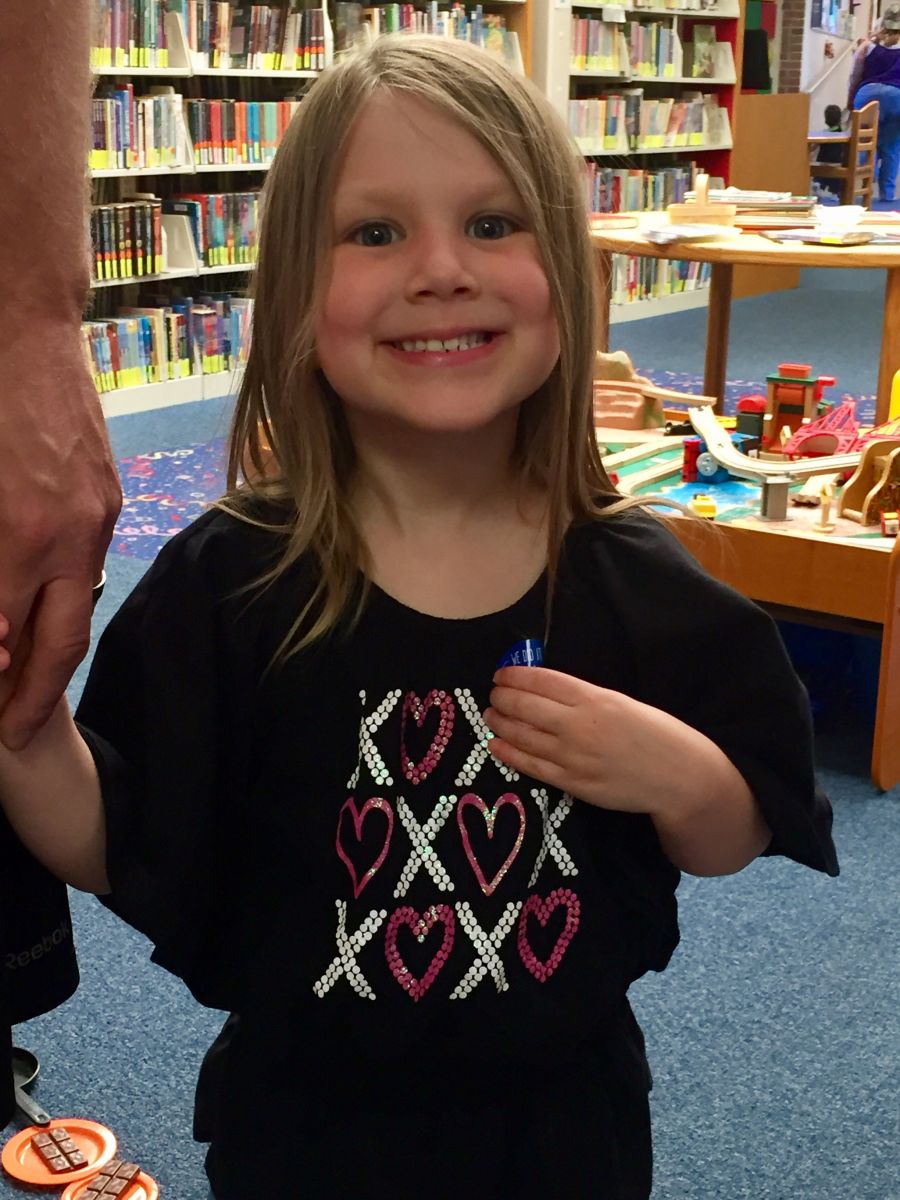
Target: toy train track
726	454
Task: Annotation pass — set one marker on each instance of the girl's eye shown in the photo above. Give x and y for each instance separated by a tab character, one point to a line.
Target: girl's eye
374	233
492	226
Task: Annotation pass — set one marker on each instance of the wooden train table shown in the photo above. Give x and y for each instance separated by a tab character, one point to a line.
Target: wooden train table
752	249
847	579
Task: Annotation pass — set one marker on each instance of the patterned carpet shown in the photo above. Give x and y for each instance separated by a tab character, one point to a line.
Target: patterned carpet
167	489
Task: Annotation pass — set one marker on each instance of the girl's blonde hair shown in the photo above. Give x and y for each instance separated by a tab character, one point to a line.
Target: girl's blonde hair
289	440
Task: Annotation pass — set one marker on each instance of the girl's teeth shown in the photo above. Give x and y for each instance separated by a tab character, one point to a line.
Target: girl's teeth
436	345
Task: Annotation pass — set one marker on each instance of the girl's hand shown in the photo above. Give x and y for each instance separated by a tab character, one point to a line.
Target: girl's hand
596	744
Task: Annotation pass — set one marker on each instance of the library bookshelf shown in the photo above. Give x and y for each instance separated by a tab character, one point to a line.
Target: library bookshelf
648	92
151	65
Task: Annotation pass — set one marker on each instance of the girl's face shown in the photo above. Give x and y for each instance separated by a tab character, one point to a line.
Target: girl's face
437	313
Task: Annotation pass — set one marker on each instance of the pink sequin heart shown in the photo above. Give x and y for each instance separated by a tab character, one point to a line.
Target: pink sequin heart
421	927
418	709
490	818
374	804
542	909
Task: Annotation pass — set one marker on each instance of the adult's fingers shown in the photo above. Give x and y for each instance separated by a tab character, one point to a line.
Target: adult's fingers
59	639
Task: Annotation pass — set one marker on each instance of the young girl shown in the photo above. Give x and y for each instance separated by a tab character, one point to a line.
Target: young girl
282	770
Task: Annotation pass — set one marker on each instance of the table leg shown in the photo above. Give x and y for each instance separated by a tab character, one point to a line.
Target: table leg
890	345
886	744
717	322
604	296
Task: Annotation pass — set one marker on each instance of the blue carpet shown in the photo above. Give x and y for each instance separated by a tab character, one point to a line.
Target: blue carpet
832	321
775	1034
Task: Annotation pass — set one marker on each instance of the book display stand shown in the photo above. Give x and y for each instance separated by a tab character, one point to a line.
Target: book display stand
142	110
646	89
162	66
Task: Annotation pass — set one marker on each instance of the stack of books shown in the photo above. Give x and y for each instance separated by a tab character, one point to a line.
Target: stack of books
765	210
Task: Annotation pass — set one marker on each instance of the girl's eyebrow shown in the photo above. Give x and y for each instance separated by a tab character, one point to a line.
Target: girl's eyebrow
378	198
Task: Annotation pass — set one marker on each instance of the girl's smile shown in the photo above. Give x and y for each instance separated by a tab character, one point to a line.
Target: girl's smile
434	267
446	349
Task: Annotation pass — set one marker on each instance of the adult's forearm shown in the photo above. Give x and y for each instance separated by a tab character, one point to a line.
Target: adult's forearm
51	795
45	88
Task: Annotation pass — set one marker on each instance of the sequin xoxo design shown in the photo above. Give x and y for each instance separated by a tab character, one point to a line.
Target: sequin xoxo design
421	927
490	818
374	804
412	705
542	909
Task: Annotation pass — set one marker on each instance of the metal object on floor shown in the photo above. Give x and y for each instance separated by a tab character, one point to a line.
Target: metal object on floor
26	1068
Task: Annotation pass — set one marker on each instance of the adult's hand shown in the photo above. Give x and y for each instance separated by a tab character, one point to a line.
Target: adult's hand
59	499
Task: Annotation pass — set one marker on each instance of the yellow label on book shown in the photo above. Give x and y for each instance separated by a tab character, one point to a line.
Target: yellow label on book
681	139
695	139
268	62
120	57
668	70
162	58
98	160
653	140
610	142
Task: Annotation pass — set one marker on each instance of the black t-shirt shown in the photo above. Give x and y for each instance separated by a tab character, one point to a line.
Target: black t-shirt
415	937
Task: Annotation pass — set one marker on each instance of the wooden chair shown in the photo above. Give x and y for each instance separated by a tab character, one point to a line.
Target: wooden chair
856	176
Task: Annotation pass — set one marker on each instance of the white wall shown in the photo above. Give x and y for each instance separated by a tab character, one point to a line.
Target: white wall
824	78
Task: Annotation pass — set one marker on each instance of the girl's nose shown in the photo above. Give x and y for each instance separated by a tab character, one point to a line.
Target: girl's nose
441	267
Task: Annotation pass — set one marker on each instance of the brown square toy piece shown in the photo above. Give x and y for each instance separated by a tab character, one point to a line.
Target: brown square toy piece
114	1180
57	1151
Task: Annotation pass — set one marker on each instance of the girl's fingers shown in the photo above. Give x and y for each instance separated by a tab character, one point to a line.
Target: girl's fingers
527	764
541	681
521	735
528	707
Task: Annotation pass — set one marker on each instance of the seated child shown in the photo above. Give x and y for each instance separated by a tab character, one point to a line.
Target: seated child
836	153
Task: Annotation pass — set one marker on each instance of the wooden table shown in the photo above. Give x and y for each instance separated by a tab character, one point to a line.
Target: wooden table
753	249
818	579
837	580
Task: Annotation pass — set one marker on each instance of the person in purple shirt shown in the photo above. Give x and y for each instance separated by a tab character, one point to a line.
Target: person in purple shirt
876	76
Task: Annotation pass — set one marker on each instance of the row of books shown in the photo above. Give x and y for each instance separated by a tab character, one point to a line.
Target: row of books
653	49
627	120
164	130
642	49
224	225
127	239
268	37
137	132
130	33
599	46
168	339
635	279
237	131
708	6
354	23
612	189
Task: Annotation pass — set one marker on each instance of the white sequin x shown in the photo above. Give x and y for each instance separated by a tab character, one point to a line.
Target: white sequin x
368	751
487	946
479	752
344	963
422	837
551	841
